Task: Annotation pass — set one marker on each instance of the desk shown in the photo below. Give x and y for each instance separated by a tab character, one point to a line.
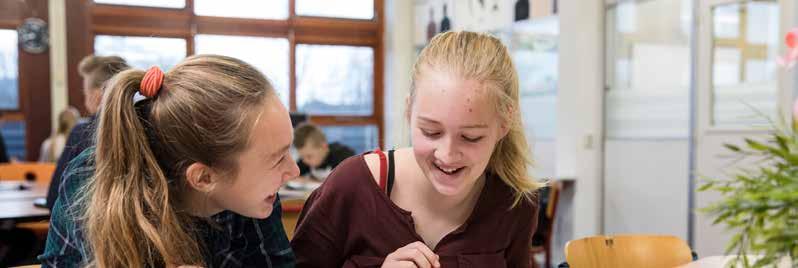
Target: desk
8	191
22	211
720	262
291	210
17	205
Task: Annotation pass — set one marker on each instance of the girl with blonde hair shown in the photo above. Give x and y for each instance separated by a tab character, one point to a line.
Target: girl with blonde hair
461	195
186	176
54	145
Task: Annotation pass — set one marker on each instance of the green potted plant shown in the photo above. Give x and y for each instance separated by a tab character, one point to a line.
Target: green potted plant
761	204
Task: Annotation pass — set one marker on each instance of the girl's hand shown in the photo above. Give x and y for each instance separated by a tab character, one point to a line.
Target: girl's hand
414	255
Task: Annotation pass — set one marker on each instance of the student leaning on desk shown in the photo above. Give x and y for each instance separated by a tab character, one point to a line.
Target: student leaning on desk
186	176
317	157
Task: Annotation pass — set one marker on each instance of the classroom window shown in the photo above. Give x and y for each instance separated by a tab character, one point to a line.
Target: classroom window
359	138
324	58
146	3
350	9
744	71
142	52
9	67
335	80
269	55
253	9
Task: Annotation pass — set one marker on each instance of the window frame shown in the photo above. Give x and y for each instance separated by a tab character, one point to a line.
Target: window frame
33	76
88	19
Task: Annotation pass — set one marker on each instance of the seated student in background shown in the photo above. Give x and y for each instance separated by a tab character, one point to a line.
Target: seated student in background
461	194
187	176
317	157
54	145
95	71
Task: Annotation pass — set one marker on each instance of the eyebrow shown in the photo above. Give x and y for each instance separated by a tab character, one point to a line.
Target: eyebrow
464	126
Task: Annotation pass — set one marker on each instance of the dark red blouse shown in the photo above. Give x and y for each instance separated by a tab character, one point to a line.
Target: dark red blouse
350	222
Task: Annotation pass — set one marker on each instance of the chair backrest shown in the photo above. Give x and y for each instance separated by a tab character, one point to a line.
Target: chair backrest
551	209
41	173
627	251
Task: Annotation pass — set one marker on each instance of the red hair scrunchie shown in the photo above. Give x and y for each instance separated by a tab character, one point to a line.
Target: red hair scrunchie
151	83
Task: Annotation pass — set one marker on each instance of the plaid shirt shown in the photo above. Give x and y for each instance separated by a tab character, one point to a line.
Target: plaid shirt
240	242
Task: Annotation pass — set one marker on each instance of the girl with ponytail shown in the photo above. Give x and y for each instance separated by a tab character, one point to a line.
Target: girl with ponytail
186	175
460	196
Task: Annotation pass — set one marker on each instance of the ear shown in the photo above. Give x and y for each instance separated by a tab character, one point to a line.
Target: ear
199	177
504	129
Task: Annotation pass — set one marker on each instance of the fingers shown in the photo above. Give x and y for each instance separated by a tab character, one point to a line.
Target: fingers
418	253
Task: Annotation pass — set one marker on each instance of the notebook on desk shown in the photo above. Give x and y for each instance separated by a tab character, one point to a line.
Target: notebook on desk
40	202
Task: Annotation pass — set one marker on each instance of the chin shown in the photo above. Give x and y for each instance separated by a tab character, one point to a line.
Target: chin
444	187
260	213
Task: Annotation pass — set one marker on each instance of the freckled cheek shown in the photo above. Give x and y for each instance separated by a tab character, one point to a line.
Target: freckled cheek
423	148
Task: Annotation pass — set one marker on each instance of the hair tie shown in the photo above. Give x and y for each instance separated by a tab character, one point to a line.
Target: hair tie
151	83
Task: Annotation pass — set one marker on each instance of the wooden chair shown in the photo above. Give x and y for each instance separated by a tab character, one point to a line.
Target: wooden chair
551	214
628	251
41	173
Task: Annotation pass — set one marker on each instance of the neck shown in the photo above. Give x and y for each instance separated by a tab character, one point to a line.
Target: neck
198	204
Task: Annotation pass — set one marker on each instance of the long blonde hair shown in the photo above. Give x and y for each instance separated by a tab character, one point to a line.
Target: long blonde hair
203	113
67	119
483	58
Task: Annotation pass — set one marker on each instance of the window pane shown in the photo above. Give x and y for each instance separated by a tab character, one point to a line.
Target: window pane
269	55
534	52
9	85
335	80
142	52
147	3
744	71
14	136
254	9
644	36
350	9
359	138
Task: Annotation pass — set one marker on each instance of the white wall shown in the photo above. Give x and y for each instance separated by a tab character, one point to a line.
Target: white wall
646	187
580	109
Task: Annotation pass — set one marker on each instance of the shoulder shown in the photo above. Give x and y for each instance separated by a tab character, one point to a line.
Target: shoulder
505	196
77	172
348	176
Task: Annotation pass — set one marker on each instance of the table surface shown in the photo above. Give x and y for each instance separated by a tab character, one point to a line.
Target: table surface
720	262
17	205
22	210
9	191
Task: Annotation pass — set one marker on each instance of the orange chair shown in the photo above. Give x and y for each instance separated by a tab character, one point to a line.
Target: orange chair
41	173
628	251
551	214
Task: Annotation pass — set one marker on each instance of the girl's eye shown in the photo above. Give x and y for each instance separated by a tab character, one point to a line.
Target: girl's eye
472	140
430	134
280	161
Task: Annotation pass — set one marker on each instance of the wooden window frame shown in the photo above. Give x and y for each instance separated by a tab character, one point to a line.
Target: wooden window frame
86	19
